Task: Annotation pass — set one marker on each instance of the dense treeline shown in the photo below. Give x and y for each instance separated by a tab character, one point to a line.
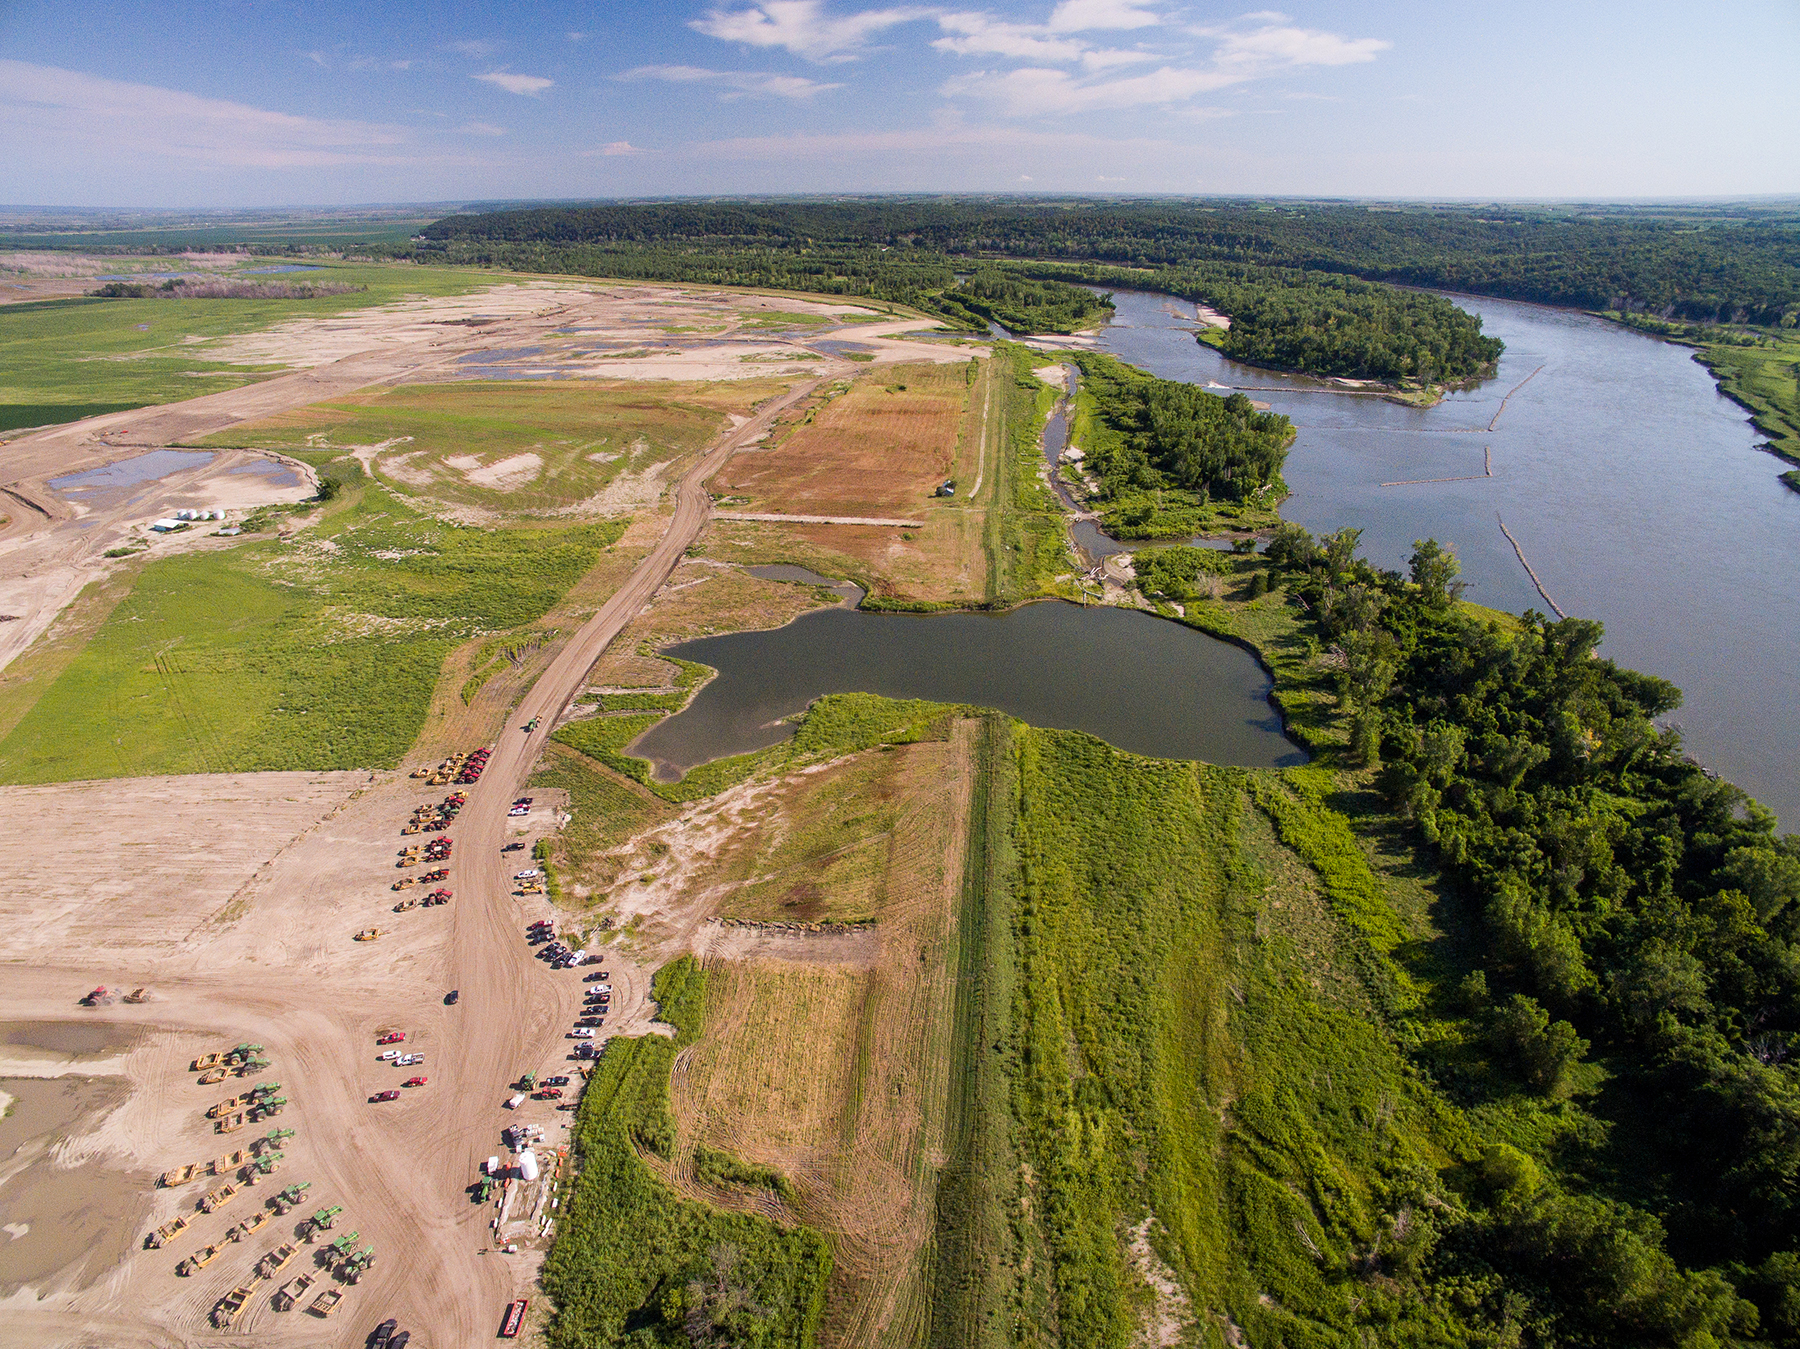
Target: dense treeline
1636	910
1158	433
1710	265
1321	323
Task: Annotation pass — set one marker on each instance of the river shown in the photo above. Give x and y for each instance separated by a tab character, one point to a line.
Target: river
1632	485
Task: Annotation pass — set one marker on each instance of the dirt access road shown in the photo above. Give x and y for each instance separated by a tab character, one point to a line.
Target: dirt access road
286	976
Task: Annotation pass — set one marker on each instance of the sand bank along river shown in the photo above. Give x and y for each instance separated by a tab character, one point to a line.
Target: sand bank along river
1632	485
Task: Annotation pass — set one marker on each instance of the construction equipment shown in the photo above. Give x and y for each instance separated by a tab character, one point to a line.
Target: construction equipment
342	1246
293	1290
274	1138
181	1175
405	881
229	1125
327	1302
206	1061
528	1082
265	1165
100	997
289	1199
251	1067
198	1261
138	995
406	904
367	934
484	1189
231	1305
530	888
212	1075
231	1161
224	1108
268	1107
167	1232
322	1220
276	1260
250	1226
353	1268
242	1052
262	1089
217	1199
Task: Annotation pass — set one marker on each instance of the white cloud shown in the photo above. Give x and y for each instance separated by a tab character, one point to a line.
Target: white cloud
804	28
575	37
531	85
1276	44
401	65
98	118
481	129
735	83
1079	16
612	150
318	59
983	35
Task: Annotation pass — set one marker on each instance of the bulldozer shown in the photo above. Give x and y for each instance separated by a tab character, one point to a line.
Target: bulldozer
217	1199
367	934
230	1124
181	1175
167	1232
289	1199
198	1261
293	1290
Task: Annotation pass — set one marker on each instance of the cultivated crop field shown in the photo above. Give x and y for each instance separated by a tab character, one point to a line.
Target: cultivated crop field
322	653
518	447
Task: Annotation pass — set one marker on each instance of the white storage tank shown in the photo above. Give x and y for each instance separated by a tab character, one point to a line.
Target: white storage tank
528	1165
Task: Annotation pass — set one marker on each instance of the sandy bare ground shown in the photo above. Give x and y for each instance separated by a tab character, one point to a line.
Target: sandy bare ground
274	963
50	549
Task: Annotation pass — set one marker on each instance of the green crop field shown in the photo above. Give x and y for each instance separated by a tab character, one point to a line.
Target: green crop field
318	654
73	353
451	436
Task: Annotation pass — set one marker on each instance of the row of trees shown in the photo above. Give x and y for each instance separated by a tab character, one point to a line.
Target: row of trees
1712	264
1635	908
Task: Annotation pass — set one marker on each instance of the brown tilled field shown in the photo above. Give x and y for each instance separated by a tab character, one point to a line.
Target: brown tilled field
878	449
834	1072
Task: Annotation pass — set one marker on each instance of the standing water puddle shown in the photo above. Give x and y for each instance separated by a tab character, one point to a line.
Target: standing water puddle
1140	683
132	472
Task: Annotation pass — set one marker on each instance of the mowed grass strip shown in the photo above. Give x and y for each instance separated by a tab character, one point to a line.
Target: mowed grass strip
313	655
878	449
134	352
513	444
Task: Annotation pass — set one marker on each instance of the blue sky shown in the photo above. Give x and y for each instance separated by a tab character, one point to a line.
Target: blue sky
263	102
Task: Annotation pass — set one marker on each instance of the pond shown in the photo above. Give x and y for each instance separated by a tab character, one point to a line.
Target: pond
1634	488
1140	683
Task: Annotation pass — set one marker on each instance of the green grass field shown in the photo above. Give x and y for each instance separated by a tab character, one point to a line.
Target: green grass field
1767	381
318	654
70	353
583	436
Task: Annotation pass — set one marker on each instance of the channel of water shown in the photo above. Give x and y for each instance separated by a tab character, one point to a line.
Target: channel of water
1633	486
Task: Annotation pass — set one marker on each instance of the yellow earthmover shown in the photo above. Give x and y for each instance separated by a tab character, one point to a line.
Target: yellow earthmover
206	1061
181	1175
367	934
230	1124
224	1108
217	1199
167	1232
199	1260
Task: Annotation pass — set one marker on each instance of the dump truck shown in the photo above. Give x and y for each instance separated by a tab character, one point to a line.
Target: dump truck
181	1175
229	1125
198	1261
206	1061
214	1200
167	1232
230	1306
293	1290
276	1260
327	1302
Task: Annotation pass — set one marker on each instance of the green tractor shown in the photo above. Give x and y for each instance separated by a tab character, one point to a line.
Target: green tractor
274	1138
290	1198
528	1082
243	1053
322	1220
342	1247
265	1165
484	1189
352	1270
268	1107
